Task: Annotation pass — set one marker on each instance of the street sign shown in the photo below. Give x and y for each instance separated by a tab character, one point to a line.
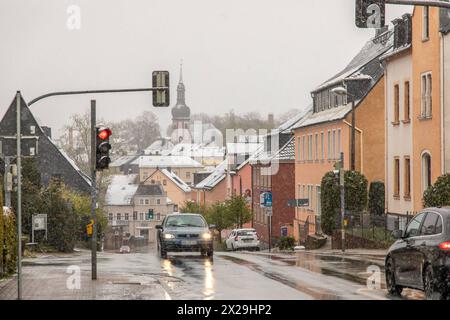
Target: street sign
38	223
370	13
269	211
298	203
284	231
265	199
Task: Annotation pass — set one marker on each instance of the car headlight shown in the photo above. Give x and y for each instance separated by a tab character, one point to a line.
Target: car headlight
168	236
206	236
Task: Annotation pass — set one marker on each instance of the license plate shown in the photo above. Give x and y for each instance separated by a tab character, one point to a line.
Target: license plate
188	242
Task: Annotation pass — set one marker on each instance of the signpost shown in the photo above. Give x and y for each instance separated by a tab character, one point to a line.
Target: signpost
39	222
265	198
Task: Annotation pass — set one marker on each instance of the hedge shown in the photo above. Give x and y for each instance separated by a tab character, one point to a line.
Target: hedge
438	195
376	198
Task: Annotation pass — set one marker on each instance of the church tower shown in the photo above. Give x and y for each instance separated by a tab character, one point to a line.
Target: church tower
181	115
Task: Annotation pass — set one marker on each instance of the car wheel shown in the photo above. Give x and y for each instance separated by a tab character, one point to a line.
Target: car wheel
391	283
257	248
210	253
431	286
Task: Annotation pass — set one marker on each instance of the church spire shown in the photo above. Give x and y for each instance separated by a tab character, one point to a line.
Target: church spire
181	71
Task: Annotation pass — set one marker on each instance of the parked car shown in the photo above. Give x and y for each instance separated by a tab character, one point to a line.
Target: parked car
184	232
242	239
125	249
420	258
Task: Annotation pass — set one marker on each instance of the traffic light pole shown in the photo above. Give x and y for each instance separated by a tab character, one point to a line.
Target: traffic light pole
93	191
19	196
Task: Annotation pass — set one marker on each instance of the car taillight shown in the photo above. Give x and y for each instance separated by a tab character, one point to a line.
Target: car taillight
445	246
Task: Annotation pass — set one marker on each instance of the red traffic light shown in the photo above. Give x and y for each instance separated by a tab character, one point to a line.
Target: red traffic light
104	134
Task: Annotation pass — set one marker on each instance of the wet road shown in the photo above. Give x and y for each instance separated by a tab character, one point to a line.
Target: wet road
230	275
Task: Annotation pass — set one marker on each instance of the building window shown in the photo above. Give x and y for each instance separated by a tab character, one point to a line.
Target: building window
134	215
188	175
141	201
310	149
329	145
426	23
141	216
334	145
126	216
396	177
426	171
407	105
318	201
407	178
322	147
299	149
164	182
338	144
396	104
158	216
110	216
316	146
147	201
426	95
119	217
304	147
158	201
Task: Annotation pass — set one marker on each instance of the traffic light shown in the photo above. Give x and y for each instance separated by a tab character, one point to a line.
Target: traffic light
102	148
150	214
90	228
370	13
161	98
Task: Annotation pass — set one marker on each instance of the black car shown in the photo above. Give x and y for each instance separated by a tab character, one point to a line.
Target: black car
184	232
420	258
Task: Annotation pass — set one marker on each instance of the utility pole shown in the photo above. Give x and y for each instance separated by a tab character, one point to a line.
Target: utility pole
93	191
353	146
19	198
342	189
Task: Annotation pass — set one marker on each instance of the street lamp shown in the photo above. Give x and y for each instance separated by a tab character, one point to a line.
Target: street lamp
342	91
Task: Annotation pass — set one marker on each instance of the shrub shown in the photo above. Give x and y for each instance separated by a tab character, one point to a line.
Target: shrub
330	202
438	195
355	191
376	198
286	243
9	242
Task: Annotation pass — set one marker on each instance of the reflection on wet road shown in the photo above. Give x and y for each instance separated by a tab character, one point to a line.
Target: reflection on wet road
253	276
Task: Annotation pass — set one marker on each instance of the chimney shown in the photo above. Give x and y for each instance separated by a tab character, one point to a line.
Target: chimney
47	131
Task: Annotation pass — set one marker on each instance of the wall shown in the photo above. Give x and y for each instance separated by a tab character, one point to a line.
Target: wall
399	136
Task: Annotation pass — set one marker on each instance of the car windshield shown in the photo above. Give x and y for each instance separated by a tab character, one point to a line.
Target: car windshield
185	221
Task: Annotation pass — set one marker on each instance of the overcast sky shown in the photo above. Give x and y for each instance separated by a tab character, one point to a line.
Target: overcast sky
246	55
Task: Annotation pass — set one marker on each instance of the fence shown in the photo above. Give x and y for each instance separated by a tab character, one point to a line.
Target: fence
375	227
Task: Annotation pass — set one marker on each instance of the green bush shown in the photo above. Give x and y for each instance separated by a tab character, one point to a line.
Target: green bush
376	198
286	243
330	202
62	222
355	187
9	242
355	192
438	195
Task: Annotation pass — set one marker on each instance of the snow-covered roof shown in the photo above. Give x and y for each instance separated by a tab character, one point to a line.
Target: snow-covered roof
287	125
166	162
70	161
332	114
175	179
215	177
121	190
196	150
161	145
122	160
374	48
286	152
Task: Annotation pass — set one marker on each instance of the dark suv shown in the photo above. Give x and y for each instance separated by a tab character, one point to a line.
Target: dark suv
420	258
184	232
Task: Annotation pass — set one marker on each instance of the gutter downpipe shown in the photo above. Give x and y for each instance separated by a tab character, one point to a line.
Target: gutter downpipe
442	58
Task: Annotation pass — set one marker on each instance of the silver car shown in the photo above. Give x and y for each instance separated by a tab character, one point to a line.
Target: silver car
184	232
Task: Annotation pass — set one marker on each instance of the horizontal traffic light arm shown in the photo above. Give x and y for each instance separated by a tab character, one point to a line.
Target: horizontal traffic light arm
430	3
66	93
